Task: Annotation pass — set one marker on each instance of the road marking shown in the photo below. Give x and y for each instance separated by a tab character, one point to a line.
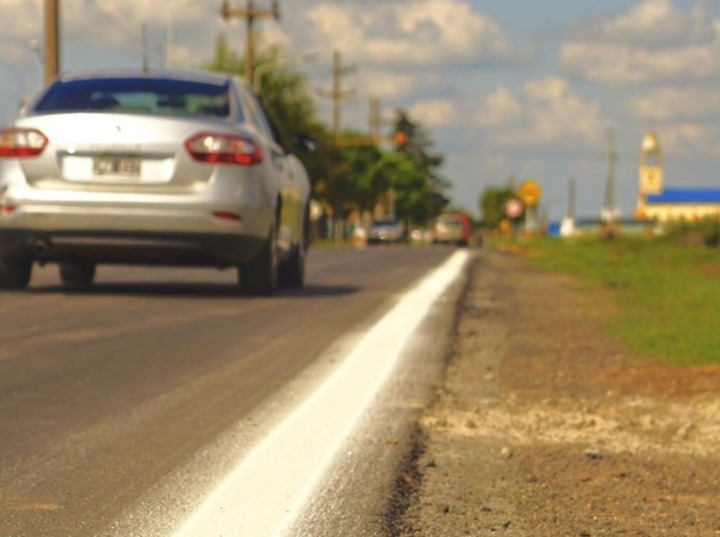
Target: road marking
268	488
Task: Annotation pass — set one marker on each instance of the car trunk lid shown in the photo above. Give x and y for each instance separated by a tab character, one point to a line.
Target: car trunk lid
116	152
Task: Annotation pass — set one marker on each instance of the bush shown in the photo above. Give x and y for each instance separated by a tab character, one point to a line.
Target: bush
705	231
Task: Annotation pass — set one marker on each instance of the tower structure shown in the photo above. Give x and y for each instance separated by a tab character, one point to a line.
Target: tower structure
651	172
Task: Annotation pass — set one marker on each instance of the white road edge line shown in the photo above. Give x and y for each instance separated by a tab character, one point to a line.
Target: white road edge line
268	488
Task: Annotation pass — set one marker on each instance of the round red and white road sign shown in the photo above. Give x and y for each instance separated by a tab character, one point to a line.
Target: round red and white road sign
514	208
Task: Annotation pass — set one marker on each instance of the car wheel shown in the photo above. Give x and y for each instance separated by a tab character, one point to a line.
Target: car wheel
77	274
15	273
259	277
292	271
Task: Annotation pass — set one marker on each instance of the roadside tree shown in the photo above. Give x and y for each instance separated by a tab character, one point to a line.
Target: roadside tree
416	178
492	204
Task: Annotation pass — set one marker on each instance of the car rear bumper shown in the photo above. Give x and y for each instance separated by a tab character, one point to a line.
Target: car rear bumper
385	238
448	237
116	247
133	233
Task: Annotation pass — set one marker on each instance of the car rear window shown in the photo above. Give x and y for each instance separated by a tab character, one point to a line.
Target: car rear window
159	96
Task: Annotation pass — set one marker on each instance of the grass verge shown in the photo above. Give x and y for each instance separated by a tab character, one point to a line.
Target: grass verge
667	292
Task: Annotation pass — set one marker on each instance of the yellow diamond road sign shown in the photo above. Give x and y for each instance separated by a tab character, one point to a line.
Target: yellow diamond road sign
530	192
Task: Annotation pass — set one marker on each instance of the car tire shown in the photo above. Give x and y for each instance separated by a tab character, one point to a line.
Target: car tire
291	273
259	277
77	274
15	273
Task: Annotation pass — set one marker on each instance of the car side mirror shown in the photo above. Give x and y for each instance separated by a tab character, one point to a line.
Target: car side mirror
305	143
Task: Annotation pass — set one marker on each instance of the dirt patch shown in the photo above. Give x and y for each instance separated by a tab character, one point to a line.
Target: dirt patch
545	427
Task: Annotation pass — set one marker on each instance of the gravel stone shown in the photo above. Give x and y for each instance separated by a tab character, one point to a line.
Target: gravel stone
592	441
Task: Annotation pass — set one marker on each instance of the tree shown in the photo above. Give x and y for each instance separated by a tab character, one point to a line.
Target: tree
224	59
345	178
284	96
492	204
367	179
417	183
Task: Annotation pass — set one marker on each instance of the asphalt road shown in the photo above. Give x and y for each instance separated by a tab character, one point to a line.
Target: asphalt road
114	399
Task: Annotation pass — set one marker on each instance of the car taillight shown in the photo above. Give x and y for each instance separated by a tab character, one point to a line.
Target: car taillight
227	215
224	148
21	143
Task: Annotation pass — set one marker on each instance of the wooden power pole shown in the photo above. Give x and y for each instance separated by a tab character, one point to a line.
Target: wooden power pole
52	40
250	14
337	94
375	120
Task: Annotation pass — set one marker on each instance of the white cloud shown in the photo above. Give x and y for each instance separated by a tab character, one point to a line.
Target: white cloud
16	35
650	43
703	23
500	108
676	103
25	22
652	21
690	139
435	113
411	33
557	113
388	84
548	112
624	65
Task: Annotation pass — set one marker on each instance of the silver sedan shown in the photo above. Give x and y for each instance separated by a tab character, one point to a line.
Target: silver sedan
180	169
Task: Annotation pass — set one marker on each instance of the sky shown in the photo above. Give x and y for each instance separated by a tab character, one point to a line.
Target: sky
511	90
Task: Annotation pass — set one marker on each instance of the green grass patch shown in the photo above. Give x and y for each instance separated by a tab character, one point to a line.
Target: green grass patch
667	292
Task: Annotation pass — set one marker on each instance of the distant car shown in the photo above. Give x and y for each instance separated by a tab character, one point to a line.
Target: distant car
421	235
455	228
165	168
386	231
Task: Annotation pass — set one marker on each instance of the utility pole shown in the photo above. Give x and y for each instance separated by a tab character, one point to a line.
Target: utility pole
375	120
572	195
145	59
610	188
52	39
337	94
250	14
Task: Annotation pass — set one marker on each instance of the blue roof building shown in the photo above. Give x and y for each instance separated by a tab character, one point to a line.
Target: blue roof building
669	204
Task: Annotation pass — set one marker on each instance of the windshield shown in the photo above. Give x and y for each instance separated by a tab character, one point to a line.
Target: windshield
143	95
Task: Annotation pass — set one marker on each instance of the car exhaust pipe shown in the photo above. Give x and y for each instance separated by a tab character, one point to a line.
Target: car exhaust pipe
41	245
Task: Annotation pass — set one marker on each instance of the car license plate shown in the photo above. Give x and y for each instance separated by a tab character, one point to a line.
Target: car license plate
113	165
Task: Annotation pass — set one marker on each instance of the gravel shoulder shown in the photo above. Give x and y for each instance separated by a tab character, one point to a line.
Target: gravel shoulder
543	426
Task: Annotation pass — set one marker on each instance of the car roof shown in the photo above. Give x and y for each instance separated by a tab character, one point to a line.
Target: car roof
191	75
